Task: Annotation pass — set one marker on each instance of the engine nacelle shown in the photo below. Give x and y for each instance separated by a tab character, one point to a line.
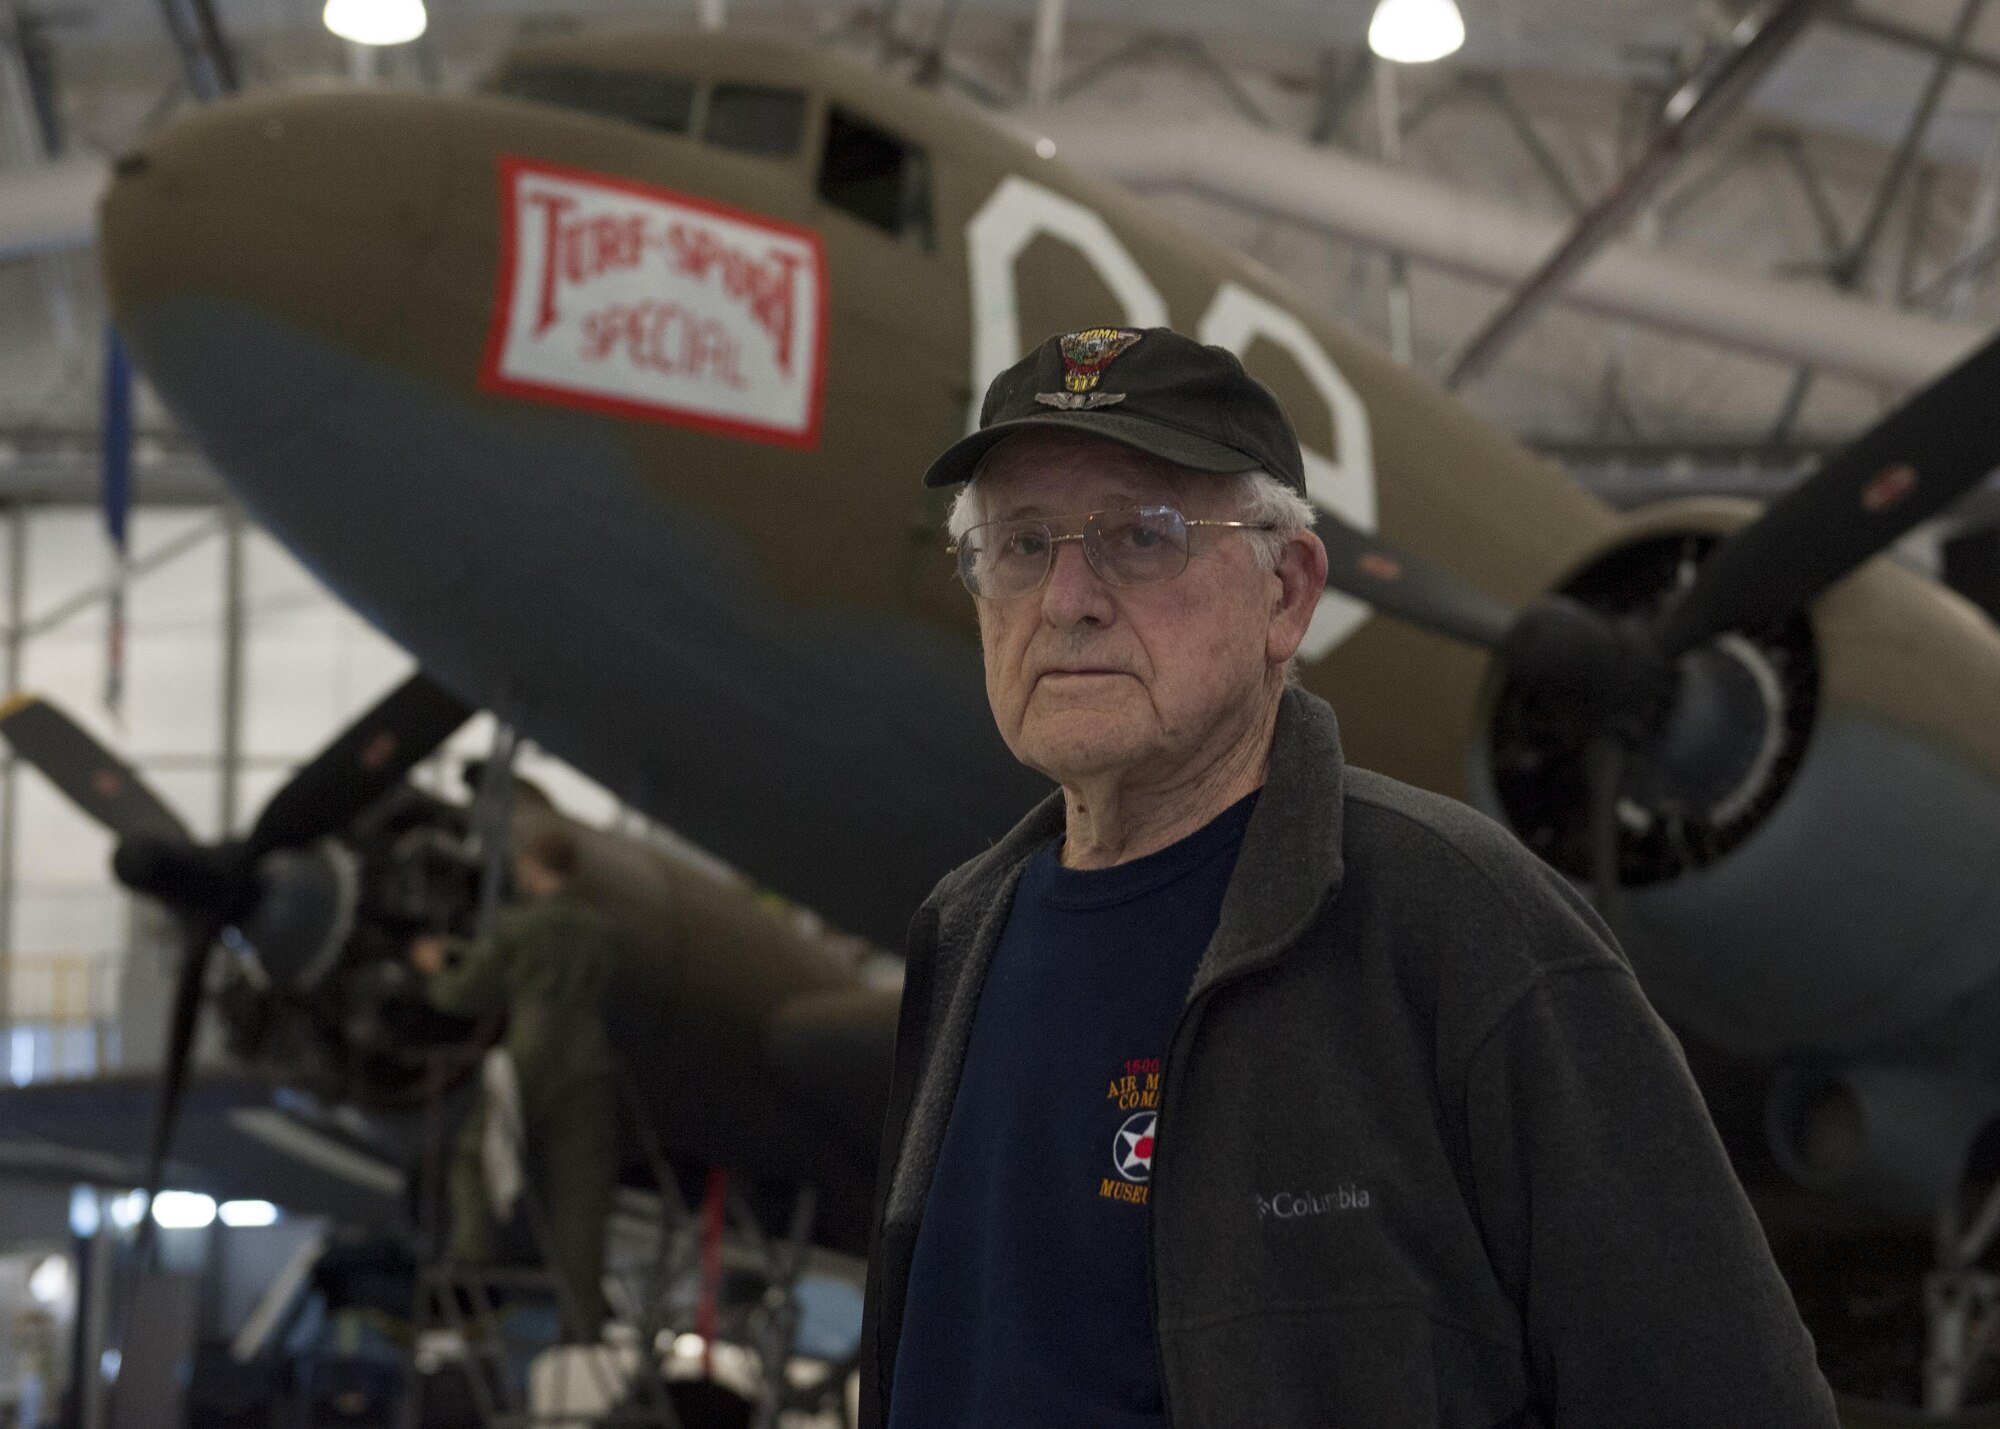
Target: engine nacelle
303	912
1895	1138
1830	884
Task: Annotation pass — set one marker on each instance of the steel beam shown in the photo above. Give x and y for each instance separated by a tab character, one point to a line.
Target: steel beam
430	64
62	467
1494	88
1981	227
1389	123
1967	268
1203	58
1748	453
1710	96
229	750
1631	474
1848	270
1915	231
363	63
1854	263
1131	52
1045	52
15	646
90	596
1848	17
1432	102
1613	406
931	63
37	57
1190	49
1697	189
887	44
1343	76
1367	203
1793	402
1833	243
50	208
208	61
33	120
1833	238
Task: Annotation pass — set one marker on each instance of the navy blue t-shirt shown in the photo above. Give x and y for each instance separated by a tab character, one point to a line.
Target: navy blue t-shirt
1027	1305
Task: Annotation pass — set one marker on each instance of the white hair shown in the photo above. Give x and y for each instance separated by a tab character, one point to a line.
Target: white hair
1260	498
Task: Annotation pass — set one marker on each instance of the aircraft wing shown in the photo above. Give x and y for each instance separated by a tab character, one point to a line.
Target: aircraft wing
240	1139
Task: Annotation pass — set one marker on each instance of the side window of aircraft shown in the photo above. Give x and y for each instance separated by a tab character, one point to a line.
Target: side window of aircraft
755	119
877	177
658	101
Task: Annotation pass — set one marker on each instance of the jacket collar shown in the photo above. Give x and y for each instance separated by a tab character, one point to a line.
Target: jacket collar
1291	863
1289	866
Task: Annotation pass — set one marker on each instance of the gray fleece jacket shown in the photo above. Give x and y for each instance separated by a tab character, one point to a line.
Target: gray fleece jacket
1426	1159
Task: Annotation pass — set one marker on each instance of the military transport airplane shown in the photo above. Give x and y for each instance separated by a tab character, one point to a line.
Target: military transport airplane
746	1040
605	392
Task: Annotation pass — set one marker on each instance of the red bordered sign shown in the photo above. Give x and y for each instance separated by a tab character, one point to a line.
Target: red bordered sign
642	302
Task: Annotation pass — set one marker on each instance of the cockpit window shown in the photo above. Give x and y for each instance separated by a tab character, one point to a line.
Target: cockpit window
755	119
658	101
877	177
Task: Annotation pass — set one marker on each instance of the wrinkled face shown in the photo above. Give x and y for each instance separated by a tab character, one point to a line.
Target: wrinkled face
1087	678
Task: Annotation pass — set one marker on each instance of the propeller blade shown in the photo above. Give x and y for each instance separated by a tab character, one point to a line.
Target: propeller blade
180	1052
1397	583
370	758
1909	467
95	779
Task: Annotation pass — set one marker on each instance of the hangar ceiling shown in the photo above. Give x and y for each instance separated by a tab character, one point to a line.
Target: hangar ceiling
1837	150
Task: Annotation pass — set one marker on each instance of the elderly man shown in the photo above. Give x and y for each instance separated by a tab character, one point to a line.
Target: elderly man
1239	1088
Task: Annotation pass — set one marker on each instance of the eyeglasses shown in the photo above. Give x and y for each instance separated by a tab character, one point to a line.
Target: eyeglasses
1131	545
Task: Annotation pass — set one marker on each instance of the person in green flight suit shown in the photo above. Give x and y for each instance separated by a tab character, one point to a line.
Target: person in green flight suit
545	964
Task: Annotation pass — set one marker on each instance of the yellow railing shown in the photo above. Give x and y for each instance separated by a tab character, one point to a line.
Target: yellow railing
63	989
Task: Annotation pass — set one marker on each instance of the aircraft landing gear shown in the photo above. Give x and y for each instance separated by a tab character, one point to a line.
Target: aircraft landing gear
1961	1304
780	1308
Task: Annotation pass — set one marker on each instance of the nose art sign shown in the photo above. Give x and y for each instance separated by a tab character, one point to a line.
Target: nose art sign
643	302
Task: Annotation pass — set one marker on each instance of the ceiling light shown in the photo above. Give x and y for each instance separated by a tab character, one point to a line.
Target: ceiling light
376	22
126	1209
183	1210
248	1213
1410	32
85	1214
50	1282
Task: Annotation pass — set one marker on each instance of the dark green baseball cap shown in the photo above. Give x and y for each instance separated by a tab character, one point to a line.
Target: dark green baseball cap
1148	388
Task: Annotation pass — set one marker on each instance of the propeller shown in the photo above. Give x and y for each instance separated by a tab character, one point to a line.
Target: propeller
1408	587
1906	469
212	888
93	778
1649	696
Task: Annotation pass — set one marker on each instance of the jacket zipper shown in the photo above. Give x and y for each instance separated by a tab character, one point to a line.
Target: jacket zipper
1190	1014
902	1091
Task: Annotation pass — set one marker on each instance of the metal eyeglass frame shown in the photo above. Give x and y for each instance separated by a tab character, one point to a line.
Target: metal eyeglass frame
1086	524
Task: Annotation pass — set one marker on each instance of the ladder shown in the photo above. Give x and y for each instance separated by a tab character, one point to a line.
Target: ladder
460	1313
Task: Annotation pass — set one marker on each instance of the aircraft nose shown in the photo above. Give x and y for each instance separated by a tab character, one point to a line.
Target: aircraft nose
313	208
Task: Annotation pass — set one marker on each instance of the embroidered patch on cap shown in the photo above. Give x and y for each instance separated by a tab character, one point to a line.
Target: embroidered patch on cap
1086	354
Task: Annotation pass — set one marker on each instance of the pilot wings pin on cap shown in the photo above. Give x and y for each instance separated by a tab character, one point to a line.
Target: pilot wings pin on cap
1147	388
